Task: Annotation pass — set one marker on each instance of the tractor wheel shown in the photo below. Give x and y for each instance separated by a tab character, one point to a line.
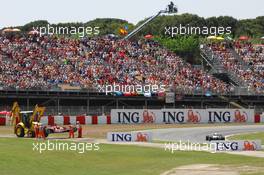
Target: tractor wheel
19	131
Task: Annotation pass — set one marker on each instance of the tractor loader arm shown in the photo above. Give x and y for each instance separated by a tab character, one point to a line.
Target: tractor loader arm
37	114
15	113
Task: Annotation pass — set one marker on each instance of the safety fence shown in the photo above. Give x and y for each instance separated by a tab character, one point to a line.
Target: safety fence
155	116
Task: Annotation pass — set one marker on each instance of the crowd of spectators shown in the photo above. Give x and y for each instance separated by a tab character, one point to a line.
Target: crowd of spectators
251	73
32	62
253	55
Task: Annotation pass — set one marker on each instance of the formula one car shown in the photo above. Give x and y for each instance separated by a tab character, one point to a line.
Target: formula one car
58	129
215	136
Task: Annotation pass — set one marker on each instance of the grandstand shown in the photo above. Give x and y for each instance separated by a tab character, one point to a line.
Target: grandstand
44	63
246	71
64	74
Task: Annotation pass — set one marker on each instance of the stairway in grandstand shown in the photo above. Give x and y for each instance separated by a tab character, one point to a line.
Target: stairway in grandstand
218	69
238	58
219	72
241	62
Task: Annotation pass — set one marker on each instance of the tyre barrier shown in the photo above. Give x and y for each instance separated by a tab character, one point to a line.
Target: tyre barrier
83	120
2	121
66	120
257	118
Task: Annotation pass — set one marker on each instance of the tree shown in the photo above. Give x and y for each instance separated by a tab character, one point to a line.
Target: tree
184	46
29	26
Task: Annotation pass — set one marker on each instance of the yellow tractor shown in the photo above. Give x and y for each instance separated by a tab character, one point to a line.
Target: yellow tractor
24	121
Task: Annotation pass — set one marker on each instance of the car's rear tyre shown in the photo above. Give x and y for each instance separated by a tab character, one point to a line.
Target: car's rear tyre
19	131
207	138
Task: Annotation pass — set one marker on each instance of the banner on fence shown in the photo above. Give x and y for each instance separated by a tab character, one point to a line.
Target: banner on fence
236	145
133	116
136	136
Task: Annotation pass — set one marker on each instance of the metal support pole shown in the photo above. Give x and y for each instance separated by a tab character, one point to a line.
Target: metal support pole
87	106
27	104
117	103
58	106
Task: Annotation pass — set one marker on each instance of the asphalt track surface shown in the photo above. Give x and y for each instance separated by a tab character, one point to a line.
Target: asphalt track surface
198	134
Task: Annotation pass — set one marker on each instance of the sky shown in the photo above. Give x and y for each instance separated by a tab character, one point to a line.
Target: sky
20	12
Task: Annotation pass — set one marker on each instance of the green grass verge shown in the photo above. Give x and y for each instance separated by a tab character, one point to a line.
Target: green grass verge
249	136
17	157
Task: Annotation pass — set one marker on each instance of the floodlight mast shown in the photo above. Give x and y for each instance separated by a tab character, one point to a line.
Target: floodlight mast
169	10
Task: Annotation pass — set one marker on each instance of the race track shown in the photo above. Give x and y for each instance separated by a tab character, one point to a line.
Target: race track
198	134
